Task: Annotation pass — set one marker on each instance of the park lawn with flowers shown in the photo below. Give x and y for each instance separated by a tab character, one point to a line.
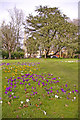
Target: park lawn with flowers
39	88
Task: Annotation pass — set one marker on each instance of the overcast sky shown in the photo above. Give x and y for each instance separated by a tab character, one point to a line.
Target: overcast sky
68	7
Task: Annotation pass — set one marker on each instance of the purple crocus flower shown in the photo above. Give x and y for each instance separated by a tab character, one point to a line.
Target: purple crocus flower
7	64
22	76
9	95
25	89
20	83
57	91
27	80
35	87
18	78
67	98
6	92
36	92
46	89
30	76
47	80
73	91
39	80
51	87
25	77
53	78
66	85
76	91
43	83
51	91
23	80
46	83
7	89
33	79
61	88
14	79
29	84
27	74
10	90
11	80
57	81
48	92
32	87
14	85
11	83
14	96
38	83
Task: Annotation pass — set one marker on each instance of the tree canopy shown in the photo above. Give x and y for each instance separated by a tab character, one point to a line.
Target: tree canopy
51	28
11	32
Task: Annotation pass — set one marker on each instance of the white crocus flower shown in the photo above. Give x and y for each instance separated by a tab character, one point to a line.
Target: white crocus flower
70	92
27	100
21	102
56	96
74	98
12	93
44	112
1	102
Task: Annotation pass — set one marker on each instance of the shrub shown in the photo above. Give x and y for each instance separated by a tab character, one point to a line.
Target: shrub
17	55
5	54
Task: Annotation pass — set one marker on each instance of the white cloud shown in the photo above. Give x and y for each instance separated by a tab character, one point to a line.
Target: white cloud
68	7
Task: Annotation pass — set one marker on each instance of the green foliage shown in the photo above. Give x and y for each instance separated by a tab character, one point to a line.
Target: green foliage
55	108
19	49
51	28
5	54
17	55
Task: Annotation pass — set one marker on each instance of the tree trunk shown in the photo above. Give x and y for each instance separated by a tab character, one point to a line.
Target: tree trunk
45	53
30	55
60	53
40	52
66	54
9	55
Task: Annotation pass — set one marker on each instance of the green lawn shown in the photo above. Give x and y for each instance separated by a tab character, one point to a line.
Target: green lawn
43	102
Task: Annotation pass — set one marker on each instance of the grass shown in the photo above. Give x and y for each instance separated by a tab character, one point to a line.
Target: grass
41	102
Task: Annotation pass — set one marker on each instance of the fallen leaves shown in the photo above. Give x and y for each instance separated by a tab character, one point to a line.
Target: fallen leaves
19	107
36	105
66	105
9	103
51	98
25	105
